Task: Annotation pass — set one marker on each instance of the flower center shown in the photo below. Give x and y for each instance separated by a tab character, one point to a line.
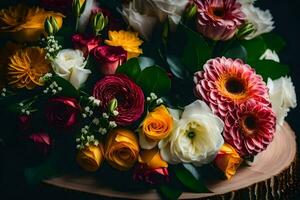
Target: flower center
191	135
235	86
218	12
249	125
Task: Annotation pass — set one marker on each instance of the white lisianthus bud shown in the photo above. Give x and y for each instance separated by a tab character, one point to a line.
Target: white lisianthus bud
270	55
283	97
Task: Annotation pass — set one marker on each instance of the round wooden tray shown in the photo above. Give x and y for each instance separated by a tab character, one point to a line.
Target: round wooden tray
272	174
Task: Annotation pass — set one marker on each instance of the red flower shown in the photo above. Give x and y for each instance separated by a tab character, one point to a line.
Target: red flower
24	122
85	43
41	143
151	176
64	6
109	58
130	97
62	112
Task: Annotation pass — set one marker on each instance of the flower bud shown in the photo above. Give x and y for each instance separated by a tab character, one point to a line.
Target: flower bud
99	22
78	7
245	30
48	27
113	105
54	24
190	11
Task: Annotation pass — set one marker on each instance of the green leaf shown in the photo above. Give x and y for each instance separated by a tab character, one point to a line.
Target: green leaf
188	179
169	192
131	68
255	48
145	62
274	41
236	51
67	88
176	67
196	51
270	69
154	79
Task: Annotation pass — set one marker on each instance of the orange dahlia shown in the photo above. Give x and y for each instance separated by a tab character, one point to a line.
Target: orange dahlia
226	83
26	67
250	128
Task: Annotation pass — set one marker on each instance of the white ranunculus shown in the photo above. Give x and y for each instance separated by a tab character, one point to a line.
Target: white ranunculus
283	97
196	137
270	55
261	20
69	64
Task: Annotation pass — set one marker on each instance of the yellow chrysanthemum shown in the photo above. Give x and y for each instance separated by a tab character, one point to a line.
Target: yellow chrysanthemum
24	23
128	40
26	67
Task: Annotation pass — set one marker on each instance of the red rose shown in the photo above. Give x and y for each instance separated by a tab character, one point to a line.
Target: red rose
151	176
85	43
130	97
62	112
109	58
41	143
64	6
24	122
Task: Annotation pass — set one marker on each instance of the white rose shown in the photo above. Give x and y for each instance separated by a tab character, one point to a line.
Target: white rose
261	20
270	55
283	97
69	64
196	137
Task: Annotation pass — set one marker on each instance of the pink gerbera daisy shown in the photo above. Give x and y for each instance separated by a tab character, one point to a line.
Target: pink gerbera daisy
226	83
250	128
219	19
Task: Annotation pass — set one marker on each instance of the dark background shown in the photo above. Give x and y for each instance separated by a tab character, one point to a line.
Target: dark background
287	21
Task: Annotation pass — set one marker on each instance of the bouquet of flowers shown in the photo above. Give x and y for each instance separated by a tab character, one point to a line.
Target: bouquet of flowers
155	93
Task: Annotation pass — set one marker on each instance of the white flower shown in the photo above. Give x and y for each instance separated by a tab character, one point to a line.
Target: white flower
283	97
196	137
270	55
246	1
261	20
69	64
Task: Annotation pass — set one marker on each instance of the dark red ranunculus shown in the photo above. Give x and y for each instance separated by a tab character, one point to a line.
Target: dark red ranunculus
85	43
41	142
62	112
24	122
64	6
109	58
151	176
130	97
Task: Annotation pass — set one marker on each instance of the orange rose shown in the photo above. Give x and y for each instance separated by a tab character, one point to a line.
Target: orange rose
24	23
228	160
157	125
121	149
90	158
152	159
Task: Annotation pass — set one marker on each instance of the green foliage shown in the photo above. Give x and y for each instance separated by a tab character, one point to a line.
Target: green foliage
169	192
254	48
274	41
131	68
68	89
236	51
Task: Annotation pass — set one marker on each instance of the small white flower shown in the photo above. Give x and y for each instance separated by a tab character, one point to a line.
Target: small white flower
87	109
23	110
148	98
78	146
115	112
153	96
96	142
159	101
84	115
112	124
283	97
196	137
21	104
77	139
105	115
27	112
270	55
96	121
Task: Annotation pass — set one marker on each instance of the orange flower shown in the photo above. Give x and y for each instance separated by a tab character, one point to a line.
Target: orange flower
157	125
228	160
90	158
152	159
24	23
121	149
26	67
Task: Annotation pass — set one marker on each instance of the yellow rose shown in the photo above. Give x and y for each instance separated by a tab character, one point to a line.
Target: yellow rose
157	125
121	149
228	160
152	159
26	24
90	158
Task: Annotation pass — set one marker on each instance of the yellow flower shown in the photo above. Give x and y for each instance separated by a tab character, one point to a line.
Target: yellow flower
121	149
24	23
157	125
26	67
129	41
90	158
152	159
228	160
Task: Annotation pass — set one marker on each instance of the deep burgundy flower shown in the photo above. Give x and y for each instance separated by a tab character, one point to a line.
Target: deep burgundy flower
109	58
62	112
41	143
85	43
130	97
151	176
24	122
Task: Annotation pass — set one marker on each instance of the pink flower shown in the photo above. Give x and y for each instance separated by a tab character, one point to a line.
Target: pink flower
85	43
226	83
41	143
109	58
250	127
151	176
219	19
130	97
